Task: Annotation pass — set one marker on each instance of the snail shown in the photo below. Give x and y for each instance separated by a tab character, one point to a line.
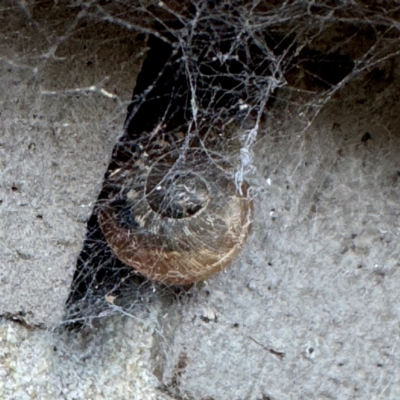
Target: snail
175	215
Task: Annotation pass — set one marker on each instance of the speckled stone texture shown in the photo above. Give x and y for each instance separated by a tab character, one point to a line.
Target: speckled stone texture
108	361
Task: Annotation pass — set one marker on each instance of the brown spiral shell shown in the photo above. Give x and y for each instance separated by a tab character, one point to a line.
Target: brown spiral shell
178	219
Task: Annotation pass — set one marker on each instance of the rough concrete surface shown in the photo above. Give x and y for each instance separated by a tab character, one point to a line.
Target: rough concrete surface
63	103
308	311
311	311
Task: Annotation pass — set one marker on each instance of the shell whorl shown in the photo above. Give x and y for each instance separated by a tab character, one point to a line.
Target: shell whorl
178	218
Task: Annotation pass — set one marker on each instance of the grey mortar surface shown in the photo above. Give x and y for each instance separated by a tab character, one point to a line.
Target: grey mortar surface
108	362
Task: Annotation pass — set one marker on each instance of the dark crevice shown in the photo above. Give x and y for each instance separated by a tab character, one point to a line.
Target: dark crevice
98	271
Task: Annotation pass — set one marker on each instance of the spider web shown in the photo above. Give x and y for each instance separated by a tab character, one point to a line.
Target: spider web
216	74
225	100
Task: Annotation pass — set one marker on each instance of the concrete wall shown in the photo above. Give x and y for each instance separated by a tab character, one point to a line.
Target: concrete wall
308	311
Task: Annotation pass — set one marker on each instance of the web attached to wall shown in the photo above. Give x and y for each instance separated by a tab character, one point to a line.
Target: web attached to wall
176	201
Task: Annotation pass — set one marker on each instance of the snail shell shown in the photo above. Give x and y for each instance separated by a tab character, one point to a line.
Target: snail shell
177	220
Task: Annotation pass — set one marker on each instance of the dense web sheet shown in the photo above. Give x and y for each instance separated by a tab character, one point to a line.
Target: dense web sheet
214	75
